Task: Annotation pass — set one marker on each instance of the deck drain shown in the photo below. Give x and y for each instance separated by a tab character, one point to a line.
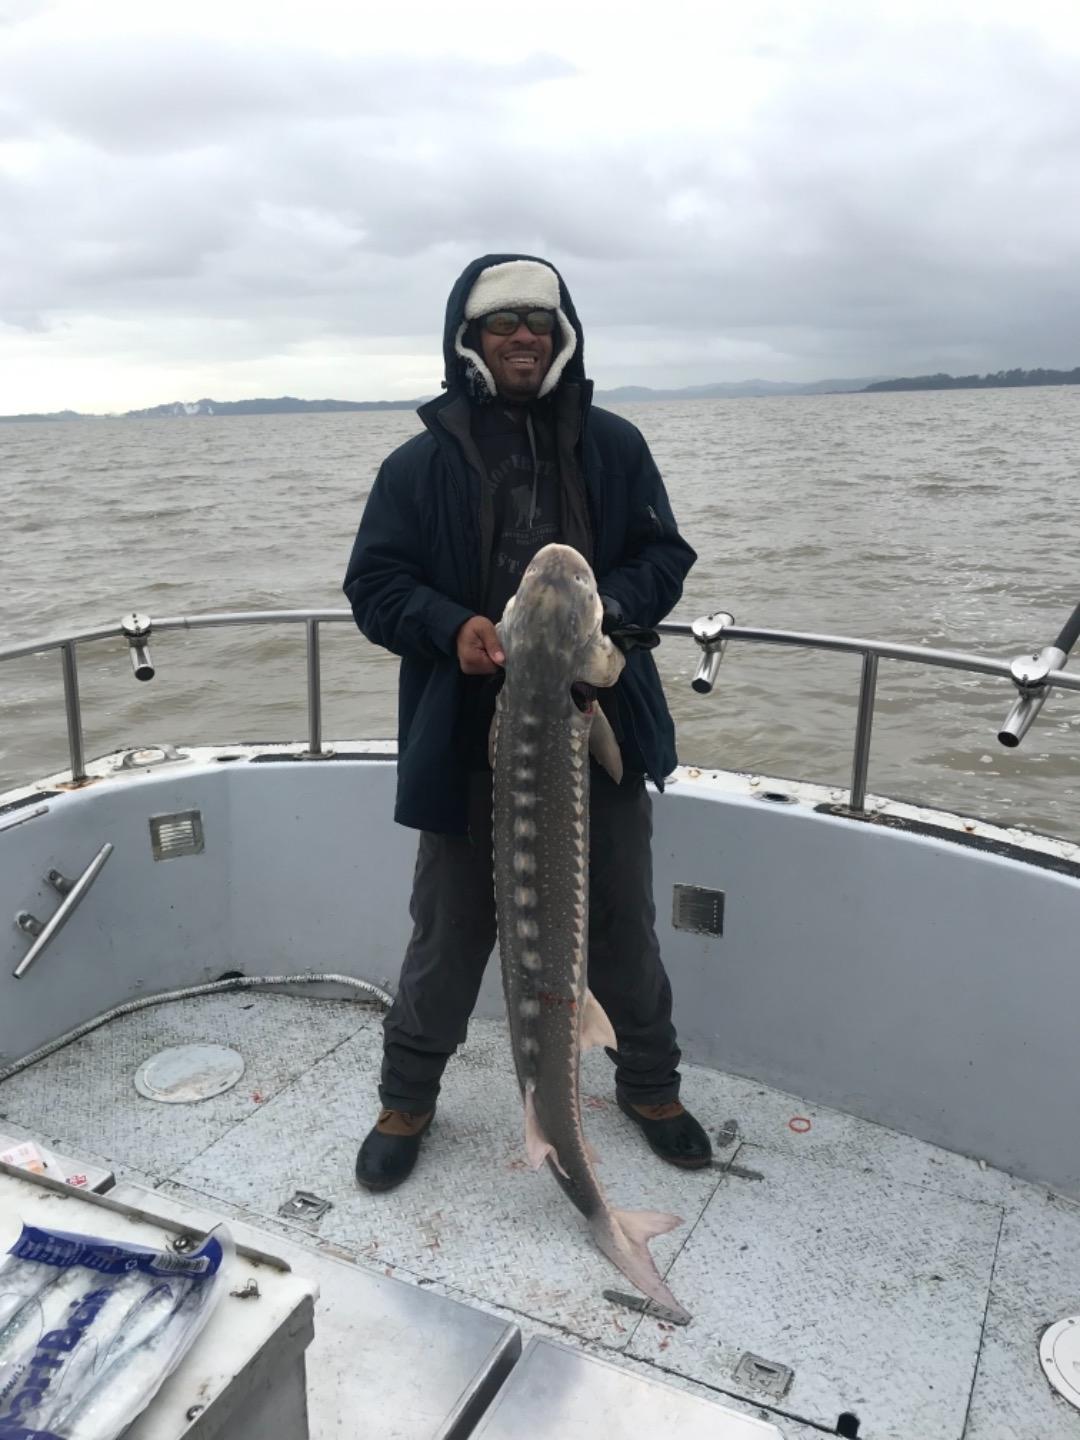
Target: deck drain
185	1074
1059	1351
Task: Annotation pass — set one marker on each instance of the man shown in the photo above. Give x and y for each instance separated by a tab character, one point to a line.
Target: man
512	457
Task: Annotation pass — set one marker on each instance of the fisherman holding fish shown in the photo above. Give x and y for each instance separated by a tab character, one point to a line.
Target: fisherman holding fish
514	457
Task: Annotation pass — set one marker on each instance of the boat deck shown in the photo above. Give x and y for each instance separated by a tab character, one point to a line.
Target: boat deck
902	1284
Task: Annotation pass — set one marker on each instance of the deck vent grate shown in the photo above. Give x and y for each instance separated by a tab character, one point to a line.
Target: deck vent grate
698	910
175	835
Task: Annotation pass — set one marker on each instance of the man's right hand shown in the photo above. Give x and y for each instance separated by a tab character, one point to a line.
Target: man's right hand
478	648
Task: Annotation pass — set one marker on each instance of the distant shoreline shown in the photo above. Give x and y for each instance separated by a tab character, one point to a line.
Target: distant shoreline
999	380
623	395
182	410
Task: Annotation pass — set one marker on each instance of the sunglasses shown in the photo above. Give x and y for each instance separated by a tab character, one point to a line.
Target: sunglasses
505	322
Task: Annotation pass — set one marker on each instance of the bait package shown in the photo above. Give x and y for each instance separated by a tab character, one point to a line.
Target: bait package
90	1329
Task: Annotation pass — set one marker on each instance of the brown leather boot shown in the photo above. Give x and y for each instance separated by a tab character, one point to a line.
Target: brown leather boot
671	1132
389	1152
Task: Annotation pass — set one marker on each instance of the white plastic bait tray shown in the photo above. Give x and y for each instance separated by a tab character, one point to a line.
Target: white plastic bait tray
244	1377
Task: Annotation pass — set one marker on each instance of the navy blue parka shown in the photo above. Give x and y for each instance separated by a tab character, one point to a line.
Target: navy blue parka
419	568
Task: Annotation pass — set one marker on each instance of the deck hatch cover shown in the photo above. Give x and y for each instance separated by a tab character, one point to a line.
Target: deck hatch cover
1059	1351
698	910
186	1074
174	835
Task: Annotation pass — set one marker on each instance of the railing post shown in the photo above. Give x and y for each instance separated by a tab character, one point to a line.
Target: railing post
863	727
314	680
74	712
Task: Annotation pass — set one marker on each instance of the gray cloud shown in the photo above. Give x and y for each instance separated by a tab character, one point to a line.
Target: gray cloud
902	197
180	88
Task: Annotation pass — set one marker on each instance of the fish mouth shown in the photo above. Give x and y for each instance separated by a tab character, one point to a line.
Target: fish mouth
584	696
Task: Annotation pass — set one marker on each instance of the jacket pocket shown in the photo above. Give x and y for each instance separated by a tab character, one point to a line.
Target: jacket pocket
647	526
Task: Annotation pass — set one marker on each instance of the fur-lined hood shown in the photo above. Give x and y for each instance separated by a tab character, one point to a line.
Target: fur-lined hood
464	368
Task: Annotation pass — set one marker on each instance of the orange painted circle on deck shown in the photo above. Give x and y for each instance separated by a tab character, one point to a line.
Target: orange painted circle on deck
800	1124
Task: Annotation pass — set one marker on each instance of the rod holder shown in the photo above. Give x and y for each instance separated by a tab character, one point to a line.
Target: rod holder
709	634
1029	674
137	629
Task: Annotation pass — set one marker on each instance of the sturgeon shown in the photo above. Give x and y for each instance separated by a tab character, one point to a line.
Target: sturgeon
541	738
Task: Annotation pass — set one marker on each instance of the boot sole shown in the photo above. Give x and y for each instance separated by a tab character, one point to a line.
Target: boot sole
377	1189
631	1114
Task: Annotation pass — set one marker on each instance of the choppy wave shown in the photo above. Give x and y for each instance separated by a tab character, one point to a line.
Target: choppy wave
946	519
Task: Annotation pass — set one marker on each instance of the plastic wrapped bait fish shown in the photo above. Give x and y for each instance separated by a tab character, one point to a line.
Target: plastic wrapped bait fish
90	1355
102	1408
20	1281
93	1328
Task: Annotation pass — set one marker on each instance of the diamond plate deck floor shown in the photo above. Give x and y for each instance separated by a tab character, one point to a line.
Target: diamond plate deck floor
902	1284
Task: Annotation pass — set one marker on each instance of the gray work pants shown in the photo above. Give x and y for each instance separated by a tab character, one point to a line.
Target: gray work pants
453	912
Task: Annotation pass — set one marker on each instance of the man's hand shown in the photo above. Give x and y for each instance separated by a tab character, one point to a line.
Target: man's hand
625	636
478	648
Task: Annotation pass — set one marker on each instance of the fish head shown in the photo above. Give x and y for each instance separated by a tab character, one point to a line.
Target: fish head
554	625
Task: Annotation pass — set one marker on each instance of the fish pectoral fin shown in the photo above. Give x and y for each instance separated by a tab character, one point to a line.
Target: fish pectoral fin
537	1146
604	747
603	662
596	1028
639	1226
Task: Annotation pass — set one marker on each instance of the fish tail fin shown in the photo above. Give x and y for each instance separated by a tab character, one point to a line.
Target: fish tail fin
623	1236
537	1146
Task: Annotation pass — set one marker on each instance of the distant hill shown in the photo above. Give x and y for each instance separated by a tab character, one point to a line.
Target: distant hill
184	410
624	395
285	405
732	390
621	395
999	379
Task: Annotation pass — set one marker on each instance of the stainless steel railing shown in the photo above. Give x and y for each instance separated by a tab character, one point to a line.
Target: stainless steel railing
1031	676
714	632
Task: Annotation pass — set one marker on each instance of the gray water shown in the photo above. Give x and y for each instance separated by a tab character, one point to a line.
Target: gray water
945	518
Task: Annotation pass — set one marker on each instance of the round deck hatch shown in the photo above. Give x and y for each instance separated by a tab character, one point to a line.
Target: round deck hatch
1059	1351
185	1074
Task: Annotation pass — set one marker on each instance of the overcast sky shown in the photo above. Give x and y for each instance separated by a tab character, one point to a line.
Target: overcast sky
239	199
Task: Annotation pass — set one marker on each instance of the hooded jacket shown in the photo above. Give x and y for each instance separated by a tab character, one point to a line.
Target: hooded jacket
419	566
